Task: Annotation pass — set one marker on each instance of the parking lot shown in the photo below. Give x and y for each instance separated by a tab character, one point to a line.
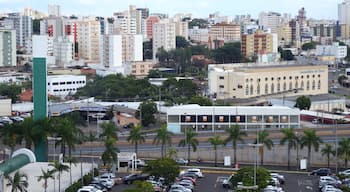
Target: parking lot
212	182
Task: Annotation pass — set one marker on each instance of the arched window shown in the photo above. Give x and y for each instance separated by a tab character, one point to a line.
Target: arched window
251	90
319	84
272	88
278	87
258	89
290	86
313	85
296	85
284	86
307	85
302	84
246	90
266	89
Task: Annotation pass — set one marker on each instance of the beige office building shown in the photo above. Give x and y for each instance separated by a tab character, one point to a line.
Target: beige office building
284	34
88	37
258	43
254	80
223	33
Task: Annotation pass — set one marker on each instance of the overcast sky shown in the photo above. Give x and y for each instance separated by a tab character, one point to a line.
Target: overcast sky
318	9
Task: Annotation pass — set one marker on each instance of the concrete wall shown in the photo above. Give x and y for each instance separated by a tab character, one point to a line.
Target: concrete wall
276	156
5	107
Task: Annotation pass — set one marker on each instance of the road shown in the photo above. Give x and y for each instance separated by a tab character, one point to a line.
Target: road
212	182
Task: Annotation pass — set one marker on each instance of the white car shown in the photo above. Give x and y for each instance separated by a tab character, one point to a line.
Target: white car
328	180
109	183
346	172
88	189
180	187
195	171
181	161
330	188
271	188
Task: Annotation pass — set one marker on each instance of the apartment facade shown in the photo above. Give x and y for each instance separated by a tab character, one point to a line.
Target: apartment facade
284	34
163	36
224	33
63	50
270	21
24	30
7	48
141	68
88	37
199	35
259	42
254	80
150	21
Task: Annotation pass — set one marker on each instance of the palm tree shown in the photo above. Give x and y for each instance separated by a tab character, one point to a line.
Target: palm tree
291	139
263	138
27	130
19	182
136	136
110	154
70	135
10	136
235	134
189	141
215	142
327	151
71	160
163	136
344	150
46	175
109	130
60	168
309	140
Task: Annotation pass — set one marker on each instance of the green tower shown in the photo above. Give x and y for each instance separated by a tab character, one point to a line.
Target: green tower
40	90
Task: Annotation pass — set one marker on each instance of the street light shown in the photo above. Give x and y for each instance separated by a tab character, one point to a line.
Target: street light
297	141
54	155
257	145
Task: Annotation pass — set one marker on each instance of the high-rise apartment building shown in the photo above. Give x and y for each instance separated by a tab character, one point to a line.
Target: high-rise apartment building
7	48
150	21
54	10
181	29
344	12
63	50
117	49
270	21
131	21
163	36
284	34
24	29
258	43
88	37
223	33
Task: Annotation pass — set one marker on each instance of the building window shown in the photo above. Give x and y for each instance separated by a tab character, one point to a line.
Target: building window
290	86
319	84
258	89
272	88
221	77
290	77
266	89
307	85
313	85
266	79
246	90
284	78
319	75
296	85
251	89
272	78
221	86
278	87
302	76
302	85
284	86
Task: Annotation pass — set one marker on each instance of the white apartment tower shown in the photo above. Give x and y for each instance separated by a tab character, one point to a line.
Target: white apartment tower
130	21
88	37
163	36
54	10
270	20
23	26
7	48
117	49
344	13
63	50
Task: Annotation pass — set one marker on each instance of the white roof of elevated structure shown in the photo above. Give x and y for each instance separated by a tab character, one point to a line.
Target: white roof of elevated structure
254	110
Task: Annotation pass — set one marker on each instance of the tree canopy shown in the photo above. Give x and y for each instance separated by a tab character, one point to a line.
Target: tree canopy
164	167
246	176
229	53
308	46
303	103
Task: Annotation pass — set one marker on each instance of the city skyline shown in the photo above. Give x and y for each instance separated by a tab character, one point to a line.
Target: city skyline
198	8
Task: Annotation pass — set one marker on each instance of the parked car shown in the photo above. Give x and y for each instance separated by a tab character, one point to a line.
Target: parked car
330	188
280	177
181	161
195	171
271	188
226	183
321	172
345	172
157	186
328	180
108	182
99	186
88	189
129	179
179	187
17	119
188	185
